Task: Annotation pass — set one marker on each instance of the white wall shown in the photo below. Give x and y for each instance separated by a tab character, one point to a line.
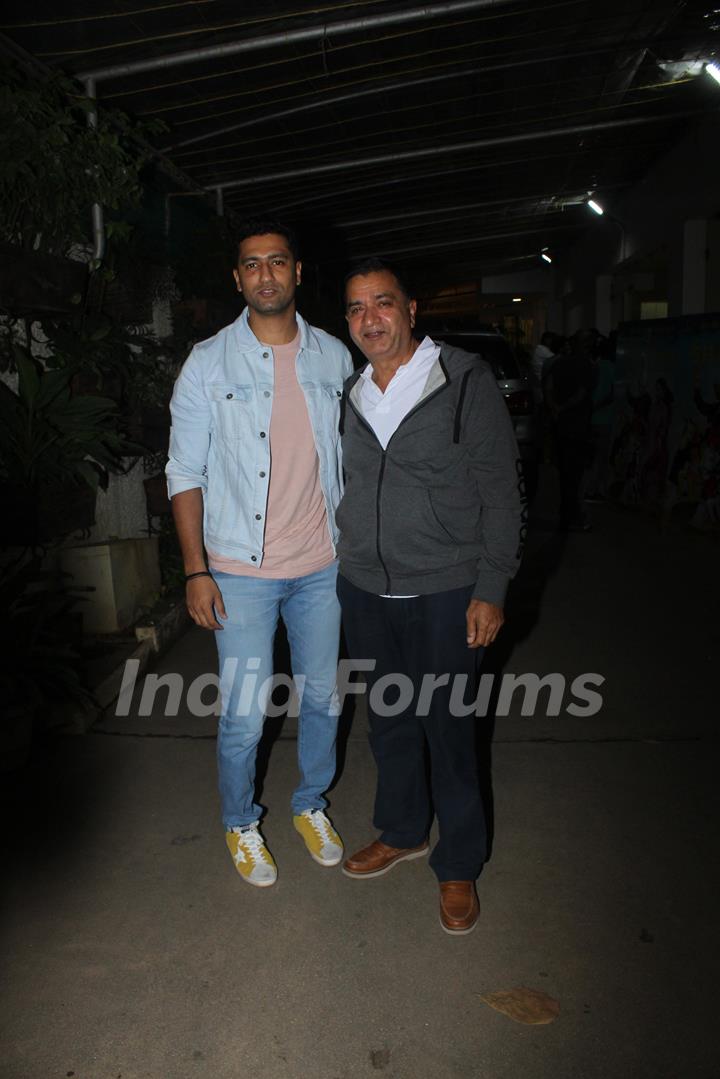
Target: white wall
120	511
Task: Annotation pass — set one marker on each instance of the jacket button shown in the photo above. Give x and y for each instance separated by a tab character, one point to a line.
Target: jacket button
253	558
339	393
229	396
258	516
266	355
262	475
266	393
262	434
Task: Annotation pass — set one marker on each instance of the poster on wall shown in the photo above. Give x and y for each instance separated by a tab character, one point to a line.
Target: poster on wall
666	442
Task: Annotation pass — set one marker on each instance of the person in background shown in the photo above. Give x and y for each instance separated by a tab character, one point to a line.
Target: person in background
654	461
542	353
602	419
569	397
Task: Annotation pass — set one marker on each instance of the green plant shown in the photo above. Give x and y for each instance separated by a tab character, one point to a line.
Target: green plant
53	166
92	342
50	437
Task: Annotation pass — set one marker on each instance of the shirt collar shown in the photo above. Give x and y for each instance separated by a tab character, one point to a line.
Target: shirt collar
422	353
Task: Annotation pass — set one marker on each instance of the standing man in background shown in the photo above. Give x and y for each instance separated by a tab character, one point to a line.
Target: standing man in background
542	354
431	533
255	478
568	394
602	419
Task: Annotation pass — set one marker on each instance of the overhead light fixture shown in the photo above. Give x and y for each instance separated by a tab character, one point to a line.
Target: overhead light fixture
714	70
681	69
544	255
595	206
517	299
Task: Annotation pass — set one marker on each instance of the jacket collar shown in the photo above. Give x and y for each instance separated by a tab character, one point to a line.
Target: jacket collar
248	342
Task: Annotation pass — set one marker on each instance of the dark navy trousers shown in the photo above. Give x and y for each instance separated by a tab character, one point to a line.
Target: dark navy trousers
424	762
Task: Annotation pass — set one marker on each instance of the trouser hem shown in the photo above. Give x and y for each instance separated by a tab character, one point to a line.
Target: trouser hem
401	842
240	823
461	873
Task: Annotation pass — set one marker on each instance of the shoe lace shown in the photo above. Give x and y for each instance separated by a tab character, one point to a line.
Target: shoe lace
321	825
252	843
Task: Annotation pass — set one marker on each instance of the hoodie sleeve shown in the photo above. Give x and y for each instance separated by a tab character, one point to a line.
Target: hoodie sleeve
495	462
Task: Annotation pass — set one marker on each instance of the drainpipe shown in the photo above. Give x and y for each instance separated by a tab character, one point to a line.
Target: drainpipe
98	216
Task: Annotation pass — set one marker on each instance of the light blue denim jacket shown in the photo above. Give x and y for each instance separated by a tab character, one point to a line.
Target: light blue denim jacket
220	434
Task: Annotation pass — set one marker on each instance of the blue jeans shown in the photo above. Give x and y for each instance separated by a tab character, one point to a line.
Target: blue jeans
311	614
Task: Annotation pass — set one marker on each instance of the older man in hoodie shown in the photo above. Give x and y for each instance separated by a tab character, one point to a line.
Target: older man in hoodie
431	531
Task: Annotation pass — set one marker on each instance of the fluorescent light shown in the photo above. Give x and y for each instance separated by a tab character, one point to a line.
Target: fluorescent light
517	299
595	206
714	70
544	255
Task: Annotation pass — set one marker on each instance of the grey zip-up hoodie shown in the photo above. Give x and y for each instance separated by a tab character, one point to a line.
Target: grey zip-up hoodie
442	506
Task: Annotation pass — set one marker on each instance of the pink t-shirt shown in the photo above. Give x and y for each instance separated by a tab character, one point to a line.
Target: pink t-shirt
297	539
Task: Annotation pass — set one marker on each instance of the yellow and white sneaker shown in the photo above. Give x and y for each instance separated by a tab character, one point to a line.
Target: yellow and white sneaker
252	859
321	839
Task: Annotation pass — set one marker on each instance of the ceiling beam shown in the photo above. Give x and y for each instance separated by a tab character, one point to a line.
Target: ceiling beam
466	241
319	32
555	201
474	144
266	117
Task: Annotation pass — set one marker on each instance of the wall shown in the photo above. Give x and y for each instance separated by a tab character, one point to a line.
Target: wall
658	241
641	240
120	511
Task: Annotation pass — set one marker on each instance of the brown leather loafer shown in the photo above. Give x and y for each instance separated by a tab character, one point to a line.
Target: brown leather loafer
378	858
459	906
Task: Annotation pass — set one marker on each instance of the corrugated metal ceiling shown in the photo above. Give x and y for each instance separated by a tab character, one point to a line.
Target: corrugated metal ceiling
462	134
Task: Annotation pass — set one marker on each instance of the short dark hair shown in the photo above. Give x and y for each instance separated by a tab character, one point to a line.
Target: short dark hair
369	265
264	226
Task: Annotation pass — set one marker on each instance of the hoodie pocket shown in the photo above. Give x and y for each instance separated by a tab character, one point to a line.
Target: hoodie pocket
356	519
456	514
419	536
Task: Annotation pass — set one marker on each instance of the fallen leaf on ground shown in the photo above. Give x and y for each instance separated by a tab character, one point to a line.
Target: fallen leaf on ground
524	1005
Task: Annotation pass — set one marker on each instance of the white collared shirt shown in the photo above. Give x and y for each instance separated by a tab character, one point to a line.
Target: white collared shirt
386	411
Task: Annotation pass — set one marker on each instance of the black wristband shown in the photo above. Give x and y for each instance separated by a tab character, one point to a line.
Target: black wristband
200	573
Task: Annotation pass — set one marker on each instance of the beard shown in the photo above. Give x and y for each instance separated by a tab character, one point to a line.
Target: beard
277	304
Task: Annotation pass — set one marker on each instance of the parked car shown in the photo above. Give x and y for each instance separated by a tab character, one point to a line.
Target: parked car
516	387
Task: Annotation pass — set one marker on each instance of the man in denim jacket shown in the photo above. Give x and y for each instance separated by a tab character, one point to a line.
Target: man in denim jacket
255	477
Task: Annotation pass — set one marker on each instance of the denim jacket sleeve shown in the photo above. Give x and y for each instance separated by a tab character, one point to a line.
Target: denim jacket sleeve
189	433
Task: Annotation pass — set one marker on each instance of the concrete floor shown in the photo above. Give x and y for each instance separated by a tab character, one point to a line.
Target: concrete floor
131	948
